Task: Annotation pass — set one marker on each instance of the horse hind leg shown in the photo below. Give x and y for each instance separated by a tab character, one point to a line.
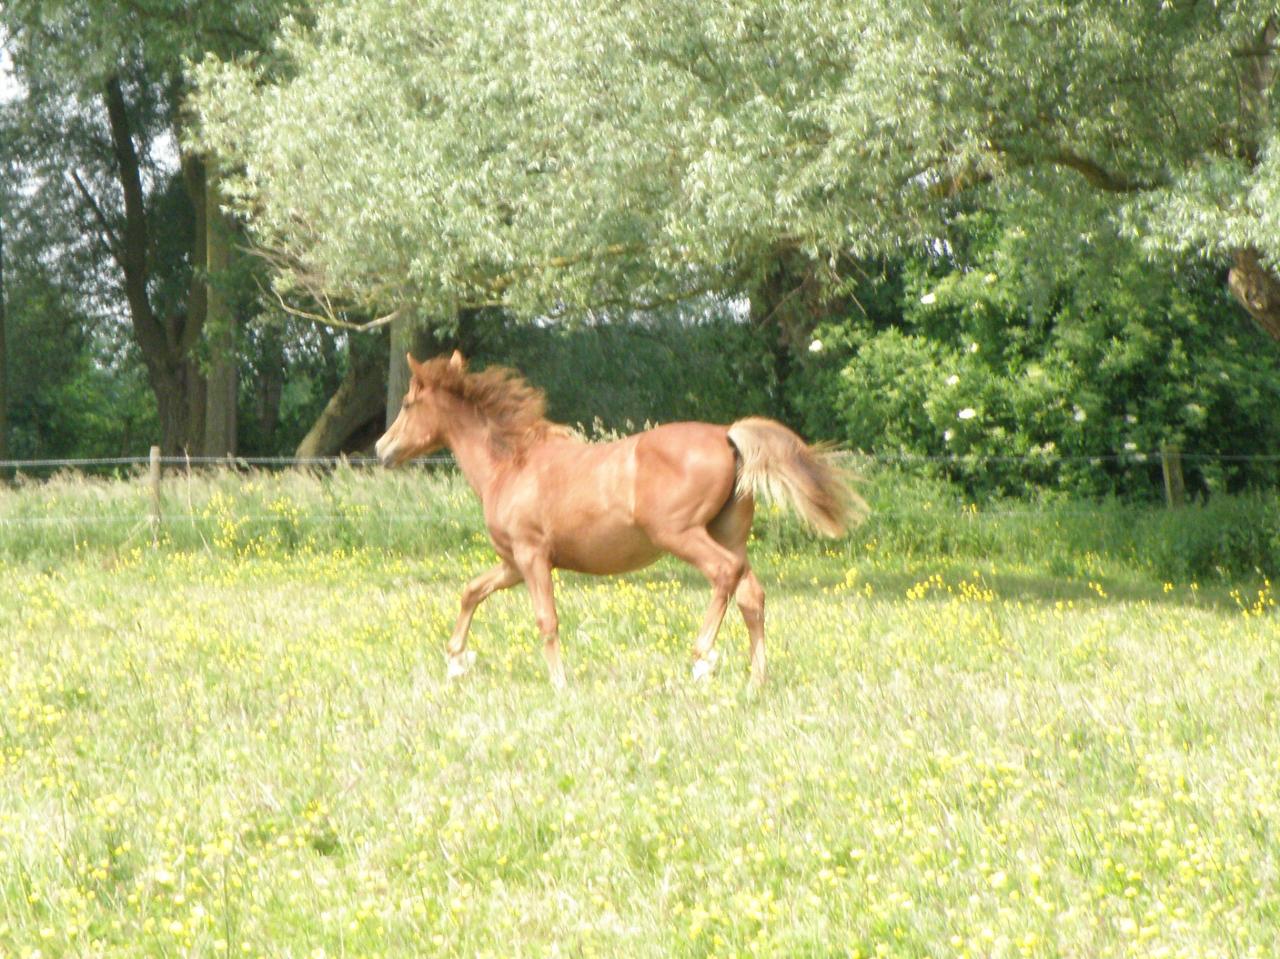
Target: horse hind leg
723	569
750	596
732	528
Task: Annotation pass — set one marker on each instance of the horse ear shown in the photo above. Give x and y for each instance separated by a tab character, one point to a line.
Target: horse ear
456	362
414	366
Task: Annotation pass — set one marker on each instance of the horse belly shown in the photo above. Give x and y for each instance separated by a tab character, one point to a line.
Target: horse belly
605	548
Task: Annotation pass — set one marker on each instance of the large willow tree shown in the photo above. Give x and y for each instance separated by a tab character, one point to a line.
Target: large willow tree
548	157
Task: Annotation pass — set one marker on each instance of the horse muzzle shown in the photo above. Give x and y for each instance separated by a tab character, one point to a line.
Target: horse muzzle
386	450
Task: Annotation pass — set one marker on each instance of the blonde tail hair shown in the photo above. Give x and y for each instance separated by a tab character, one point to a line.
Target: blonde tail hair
777	464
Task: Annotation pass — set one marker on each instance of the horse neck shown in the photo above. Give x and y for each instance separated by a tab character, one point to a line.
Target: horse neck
468	437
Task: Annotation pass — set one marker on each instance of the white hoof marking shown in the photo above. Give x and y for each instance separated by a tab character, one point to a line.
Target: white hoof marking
704	666
460	664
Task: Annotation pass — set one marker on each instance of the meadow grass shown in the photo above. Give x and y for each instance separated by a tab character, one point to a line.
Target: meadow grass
984	735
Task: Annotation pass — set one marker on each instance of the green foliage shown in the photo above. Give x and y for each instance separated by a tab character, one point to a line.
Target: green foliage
618	376
288	370
70	393
1078	396
98	99
550	161
1224	538
917	520
78	43
255	513
555	159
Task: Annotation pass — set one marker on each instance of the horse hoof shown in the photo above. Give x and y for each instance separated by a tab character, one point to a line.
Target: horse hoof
460	664
704	666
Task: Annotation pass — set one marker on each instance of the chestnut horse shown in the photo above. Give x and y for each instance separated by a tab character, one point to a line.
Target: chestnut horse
552	500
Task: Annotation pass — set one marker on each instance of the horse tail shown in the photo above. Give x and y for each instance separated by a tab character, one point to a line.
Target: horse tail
777	463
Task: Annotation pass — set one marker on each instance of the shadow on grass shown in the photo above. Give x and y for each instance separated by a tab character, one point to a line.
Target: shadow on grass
826	577
1047	589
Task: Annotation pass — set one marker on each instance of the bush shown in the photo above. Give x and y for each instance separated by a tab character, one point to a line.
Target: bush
917	519
1226	538
973	384
622	375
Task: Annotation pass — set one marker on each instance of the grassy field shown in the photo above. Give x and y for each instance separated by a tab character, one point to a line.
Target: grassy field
984	735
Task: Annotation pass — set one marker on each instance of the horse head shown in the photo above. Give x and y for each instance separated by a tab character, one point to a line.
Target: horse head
419	427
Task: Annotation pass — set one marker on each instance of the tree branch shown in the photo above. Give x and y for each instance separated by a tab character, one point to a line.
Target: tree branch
152	336
1098	176
109	235
1257	288
194	178
643	306
331	318
1093	172
184	23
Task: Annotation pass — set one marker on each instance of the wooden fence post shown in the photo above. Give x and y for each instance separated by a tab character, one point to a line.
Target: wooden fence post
1175	489
153	478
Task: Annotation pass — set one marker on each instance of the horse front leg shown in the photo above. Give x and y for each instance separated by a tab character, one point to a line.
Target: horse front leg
458	658
537	576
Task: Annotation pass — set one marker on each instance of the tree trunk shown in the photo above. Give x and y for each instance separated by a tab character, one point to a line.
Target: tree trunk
397	369
787	301
4	359
270	380
179	392
406	337
220	326
1253	282
353	416
1257	287
171	412
425	342
165	344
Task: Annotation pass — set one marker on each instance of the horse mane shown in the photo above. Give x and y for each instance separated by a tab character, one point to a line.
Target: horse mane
515	410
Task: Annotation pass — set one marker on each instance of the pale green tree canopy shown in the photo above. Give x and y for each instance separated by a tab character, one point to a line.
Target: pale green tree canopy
557	157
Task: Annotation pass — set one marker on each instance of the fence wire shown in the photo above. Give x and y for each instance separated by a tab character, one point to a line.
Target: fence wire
175	466
196	519
237	462
1130	457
